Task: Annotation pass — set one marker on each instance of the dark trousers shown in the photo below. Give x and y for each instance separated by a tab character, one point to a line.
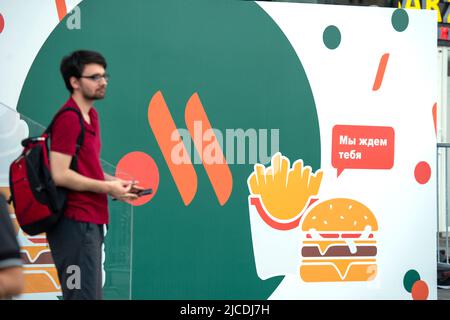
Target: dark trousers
77	252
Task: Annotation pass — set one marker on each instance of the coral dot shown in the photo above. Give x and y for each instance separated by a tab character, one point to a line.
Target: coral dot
420	290
141	167
2	23
422	172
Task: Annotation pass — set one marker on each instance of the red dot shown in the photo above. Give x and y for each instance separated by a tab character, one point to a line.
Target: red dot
422	172
419	290
2	23
141	167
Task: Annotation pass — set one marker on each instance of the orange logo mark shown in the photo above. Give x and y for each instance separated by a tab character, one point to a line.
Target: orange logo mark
168	137
61	8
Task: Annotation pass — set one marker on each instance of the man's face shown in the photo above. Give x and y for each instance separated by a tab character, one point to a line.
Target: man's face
92	83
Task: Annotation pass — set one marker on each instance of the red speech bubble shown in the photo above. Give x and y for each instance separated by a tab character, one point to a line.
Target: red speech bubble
362	147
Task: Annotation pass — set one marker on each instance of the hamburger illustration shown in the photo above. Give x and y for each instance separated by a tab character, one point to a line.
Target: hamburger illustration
338	238
41	278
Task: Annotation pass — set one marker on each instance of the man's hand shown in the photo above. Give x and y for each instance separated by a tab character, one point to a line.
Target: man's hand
12	282
121	190
136	189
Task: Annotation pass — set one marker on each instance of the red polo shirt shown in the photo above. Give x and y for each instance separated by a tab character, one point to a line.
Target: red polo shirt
82	206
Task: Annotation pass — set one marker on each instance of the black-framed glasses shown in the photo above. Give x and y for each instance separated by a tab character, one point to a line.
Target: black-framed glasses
97	77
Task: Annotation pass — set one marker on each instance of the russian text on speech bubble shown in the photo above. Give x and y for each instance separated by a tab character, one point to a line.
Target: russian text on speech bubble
362	147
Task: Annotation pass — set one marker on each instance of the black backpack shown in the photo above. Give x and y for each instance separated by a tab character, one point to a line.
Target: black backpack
38	202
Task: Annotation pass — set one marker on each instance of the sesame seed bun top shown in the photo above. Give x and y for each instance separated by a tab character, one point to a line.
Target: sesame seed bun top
340	215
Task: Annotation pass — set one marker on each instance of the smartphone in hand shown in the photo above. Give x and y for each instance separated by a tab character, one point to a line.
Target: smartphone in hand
144	192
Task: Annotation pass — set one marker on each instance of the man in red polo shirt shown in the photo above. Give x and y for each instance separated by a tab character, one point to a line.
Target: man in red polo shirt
77	239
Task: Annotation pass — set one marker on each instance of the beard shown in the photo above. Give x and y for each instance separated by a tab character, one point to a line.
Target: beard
96	95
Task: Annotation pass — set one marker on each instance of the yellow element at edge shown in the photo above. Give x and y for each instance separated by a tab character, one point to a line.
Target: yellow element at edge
426	5
284	192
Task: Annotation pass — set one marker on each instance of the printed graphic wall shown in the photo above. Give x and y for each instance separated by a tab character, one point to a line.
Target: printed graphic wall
291	151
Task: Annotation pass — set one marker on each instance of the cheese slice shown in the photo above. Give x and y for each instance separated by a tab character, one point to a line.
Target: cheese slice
341	265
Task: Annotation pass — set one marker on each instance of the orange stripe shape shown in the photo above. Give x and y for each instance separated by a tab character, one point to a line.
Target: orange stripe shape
217	170
434	111
61	8
380	73
168	137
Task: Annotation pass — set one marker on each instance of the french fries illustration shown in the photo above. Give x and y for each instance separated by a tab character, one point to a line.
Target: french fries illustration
278	197
284	191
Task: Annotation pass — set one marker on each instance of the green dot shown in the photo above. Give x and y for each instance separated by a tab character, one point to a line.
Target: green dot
400	20
332	37
410	278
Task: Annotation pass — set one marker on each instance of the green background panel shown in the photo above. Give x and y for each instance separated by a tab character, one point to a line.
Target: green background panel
247	76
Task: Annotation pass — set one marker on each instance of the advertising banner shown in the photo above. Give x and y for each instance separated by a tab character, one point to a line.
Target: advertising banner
291	148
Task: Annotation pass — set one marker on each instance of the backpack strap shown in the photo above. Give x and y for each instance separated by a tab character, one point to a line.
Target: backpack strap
80	139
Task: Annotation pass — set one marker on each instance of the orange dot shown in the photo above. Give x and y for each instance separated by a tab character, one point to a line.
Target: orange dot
419	290
141	167
2	23
422	172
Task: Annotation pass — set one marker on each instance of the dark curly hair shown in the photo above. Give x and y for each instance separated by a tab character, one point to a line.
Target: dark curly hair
73	64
